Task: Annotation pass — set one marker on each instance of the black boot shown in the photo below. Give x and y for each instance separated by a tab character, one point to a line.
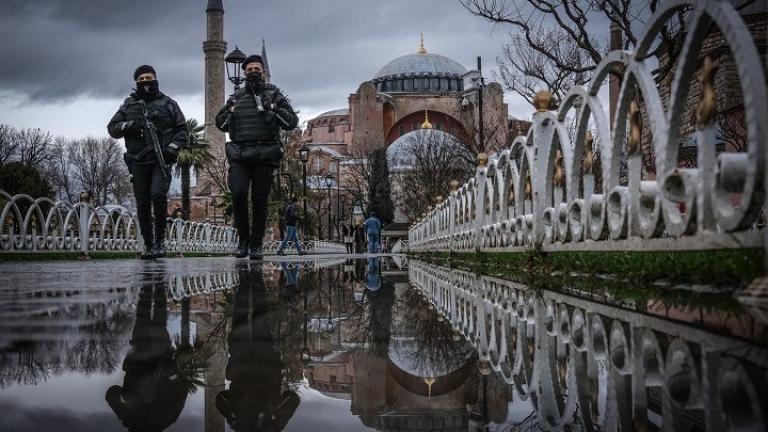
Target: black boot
159	250
242	248
147	253
256	253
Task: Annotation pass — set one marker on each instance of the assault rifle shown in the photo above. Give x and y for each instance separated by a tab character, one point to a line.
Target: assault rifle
150	133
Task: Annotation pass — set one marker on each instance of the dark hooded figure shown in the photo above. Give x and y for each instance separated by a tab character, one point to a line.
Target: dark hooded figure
148	106
255	399
153	392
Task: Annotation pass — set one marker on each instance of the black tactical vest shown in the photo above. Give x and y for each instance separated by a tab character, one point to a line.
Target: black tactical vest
248	124
158	112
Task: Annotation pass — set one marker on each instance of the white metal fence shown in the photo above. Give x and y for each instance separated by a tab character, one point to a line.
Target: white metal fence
30	224
544	191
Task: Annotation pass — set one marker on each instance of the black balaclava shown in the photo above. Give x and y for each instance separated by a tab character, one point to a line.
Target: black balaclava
147	89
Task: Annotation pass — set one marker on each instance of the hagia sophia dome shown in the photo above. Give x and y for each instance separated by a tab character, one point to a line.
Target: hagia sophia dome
435	73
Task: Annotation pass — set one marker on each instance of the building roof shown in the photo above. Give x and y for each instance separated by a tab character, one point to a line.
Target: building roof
336	112
422	64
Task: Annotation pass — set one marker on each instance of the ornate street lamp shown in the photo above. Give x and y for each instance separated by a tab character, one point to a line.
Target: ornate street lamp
328	184
233	61
304	158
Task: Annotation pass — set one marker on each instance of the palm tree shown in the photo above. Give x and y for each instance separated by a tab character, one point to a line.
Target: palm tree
196	154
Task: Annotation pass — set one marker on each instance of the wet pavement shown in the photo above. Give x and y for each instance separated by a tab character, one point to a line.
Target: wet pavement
373	343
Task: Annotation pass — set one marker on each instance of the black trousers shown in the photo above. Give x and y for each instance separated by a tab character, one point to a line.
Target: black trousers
259	178
151	192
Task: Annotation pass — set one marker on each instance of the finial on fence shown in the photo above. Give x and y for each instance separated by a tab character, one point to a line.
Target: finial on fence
528	188
455	185
482	159
542	100
558	177
484	366
589	155
707	108
438	199
85	197
633	143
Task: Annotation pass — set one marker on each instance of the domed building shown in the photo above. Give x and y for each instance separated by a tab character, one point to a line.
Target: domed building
397	100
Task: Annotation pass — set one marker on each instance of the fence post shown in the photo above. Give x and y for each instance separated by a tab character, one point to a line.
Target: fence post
85	227
179	225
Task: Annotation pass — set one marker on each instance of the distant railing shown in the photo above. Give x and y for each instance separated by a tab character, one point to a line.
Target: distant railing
545	190
30	224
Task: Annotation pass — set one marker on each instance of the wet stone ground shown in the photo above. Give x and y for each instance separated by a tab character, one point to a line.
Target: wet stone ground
375	343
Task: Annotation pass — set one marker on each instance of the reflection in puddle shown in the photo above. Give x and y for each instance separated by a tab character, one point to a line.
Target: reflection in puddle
220	345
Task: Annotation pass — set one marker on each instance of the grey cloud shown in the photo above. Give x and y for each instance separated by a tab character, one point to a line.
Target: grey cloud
319	52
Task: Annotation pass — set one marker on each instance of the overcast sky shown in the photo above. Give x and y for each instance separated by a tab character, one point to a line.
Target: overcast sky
66	65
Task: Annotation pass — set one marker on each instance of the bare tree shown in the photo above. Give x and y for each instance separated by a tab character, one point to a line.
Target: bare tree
552	44
33	146
360	173
8	144
424	167
98	167
524	70
59	171
731	129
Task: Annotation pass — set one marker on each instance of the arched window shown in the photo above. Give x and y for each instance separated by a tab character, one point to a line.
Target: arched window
408	84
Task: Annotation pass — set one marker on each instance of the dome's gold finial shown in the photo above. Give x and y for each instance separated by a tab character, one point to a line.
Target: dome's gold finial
422	50
426	124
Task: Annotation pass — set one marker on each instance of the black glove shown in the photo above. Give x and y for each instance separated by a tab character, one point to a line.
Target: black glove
171	154
134	127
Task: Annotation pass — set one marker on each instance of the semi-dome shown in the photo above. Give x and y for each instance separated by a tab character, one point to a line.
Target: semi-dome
400	154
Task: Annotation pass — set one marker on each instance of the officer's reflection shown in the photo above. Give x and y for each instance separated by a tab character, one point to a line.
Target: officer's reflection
153	392
255	399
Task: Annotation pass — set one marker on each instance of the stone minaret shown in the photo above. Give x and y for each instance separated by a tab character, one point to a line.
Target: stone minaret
214	48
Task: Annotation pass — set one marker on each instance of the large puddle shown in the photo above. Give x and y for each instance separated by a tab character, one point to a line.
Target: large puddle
379	343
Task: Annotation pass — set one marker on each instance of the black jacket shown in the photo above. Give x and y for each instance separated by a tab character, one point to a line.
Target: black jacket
248	124
291	215
162	111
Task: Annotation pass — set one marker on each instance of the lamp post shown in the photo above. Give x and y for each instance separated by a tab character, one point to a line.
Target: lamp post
328	184
233	61
304	157
481	128
335	169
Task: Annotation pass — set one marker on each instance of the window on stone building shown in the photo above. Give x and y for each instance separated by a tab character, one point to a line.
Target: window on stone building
434	84
318	164
331	127
402	130
443	84
439	126
408	84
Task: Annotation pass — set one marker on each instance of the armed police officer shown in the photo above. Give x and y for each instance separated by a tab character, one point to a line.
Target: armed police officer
154	130
253	116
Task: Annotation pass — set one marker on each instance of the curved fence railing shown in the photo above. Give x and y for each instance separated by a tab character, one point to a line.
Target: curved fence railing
30	224
601	366
545	190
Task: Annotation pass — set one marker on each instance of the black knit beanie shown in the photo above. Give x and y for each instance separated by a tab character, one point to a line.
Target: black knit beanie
142	70
251	59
